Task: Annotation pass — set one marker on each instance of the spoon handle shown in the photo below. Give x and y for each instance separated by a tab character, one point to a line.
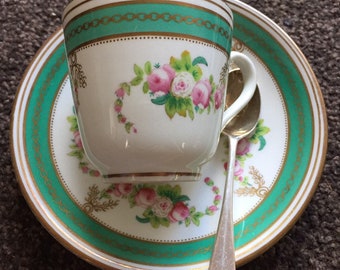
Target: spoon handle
224	253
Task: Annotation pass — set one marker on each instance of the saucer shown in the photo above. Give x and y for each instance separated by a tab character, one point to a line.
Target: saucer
172	226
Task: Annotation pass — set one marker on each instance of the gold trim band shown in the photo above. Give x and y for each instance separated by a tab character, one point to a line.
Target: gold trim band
151	174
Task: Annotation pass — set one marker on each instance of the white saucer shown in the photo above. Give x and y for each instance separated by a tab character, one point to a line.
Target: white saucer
114	226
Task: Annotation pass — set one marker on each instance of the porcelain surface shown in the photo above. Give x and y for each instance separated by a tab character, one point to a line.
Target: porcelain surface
160	226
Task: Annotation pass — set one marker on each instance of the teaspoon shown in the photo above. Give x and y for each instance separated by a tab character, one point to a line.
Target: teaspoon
241	126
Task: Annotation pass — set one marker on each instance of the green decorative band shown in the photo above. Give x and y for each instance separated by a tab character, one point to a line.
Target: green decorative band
161	18
300	122
37	125
65	210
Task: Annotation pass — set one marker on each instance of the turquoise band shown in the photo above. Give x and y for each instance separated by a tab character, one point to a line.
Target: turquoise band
124	19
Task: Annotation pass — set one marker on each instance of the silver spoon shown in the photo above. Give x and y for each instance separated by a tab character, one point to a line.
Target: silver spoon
241	126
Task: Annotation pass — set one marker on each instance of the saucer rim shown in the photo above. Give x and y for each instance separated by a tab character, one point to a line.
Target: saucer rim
249	257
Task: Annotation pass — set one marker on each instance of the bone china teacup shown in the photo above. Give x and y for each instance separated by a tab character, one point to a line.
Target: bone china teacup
149	83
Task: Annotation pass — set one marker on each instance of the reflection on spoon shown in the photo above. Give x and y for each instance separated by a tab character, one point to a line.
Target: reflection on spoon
241	126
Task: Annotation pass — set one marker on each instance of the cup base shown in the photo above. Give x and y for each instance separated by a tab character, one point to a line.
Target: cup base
150	177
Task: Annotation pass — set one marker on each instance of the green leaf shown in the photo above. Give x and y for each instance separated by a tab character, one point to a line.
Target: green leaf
142	220
161	100
262	142
145	87
154	221
190	108
136	81
196	221
181	198
170	107
74	123
176	64
198	215
209	212
74	146
197	73
186	59
164	222
168	191
181	107
118	102
148	68
199	60
187	222
126	87
76	153
183	64
138	71
131	199
196	218
208	108
148	213
128	126
211	79
262	130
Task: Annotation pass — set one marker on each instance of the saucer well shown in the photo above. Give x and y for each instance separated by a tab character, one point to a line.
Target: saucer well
172	226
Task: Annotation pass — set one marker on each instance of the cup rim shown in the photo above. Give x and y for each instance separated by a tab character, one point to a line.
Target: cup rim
76	4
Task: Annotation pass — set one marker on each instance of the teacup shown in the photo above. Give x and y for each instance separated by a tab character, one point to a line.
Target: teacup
149	84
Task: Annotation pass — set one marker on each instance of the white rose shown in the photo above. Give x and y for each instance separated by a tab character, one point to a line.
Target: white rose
183	84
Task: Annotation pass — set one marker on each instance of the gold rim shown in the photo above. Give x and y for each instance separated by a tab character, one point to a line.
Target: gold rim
278	233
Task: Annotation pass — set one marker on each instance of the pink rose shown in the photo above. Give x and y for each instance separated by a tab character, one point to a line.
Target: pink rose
122	119
243	147
95	173
118	107
77	139
183	84
216	189
120	93
217	198
162	207
207	180
218	97
179	213
122	189
160	79
213	208
145	197
238	171
201	93
85	169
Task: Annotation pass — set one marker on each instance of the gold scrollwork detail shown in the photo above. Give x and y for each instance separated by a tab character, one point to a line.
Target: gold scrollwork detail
78	77
77	73
93	204
261	190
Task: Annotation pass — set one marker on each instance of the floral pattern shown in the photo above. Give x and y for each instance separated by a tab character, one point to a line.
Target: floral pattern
180	86
165	204
77	149
162	205
242	154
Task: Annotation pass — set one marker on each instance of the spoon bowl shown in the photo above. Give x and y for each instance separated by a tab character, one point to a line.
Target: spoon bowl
241	126
244	123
